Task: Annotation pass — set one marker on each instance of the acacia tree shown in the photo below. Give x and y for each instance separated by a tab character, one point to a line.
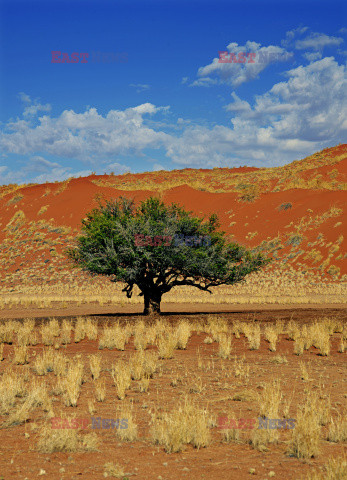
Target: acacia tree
109	246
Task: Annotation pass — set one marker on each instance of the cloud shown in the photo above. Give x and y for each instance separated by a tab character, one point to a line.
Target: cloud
117	168
40	170
304	113
24	97
85	136
238	106
235	74
313	56
40	164
288	42
33	107
204	82
140	87
297	116
300	39
157	167
317	41
184	80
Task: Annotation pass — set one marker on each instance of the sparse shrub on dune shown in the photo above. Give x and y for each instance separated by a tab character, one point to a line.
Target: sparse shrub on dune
285	206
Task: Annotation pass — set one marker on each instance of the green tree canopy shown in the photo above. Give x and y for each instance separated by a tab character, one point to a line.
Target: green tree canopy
112	244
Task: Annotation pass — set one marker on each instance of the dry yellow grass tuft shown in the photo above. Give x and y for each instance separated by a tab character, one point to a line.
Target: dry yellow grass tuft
253	335
186	424
12	386
335	469
121	375
114	337
65	440
113	470
269	405
91	329
183	334
125	412
95	366
100	389
271	336
143	364
66	329
21	354
140	336
337	429
80	329
304	442
167	342
224	349
72	383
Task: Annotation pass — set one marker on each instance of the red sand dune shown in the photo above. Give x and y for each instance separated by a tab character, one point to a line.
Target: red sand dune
301	204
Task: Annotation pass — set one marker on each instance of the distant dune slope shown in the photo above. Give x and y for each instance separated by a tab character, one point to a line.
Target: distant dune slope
296	213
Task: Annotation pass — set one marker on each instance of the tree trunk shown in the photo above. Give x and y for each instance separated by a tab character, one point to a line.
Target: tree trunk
152	303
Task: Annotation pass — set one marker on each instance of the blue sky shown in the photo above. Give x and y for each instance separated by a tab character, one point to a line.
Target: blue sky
161	99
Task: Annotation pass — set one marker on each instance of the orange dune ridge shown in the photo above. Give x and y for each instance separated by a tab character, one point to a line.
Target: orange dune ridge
295	213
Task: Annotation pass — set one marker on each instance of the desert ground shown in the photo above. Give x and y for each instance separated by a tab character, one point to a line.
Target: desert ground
173	378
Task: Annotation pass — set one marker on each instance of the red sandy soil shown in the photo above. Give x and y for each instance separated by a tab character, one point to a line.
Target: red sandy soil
20	459
248	222
293	311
